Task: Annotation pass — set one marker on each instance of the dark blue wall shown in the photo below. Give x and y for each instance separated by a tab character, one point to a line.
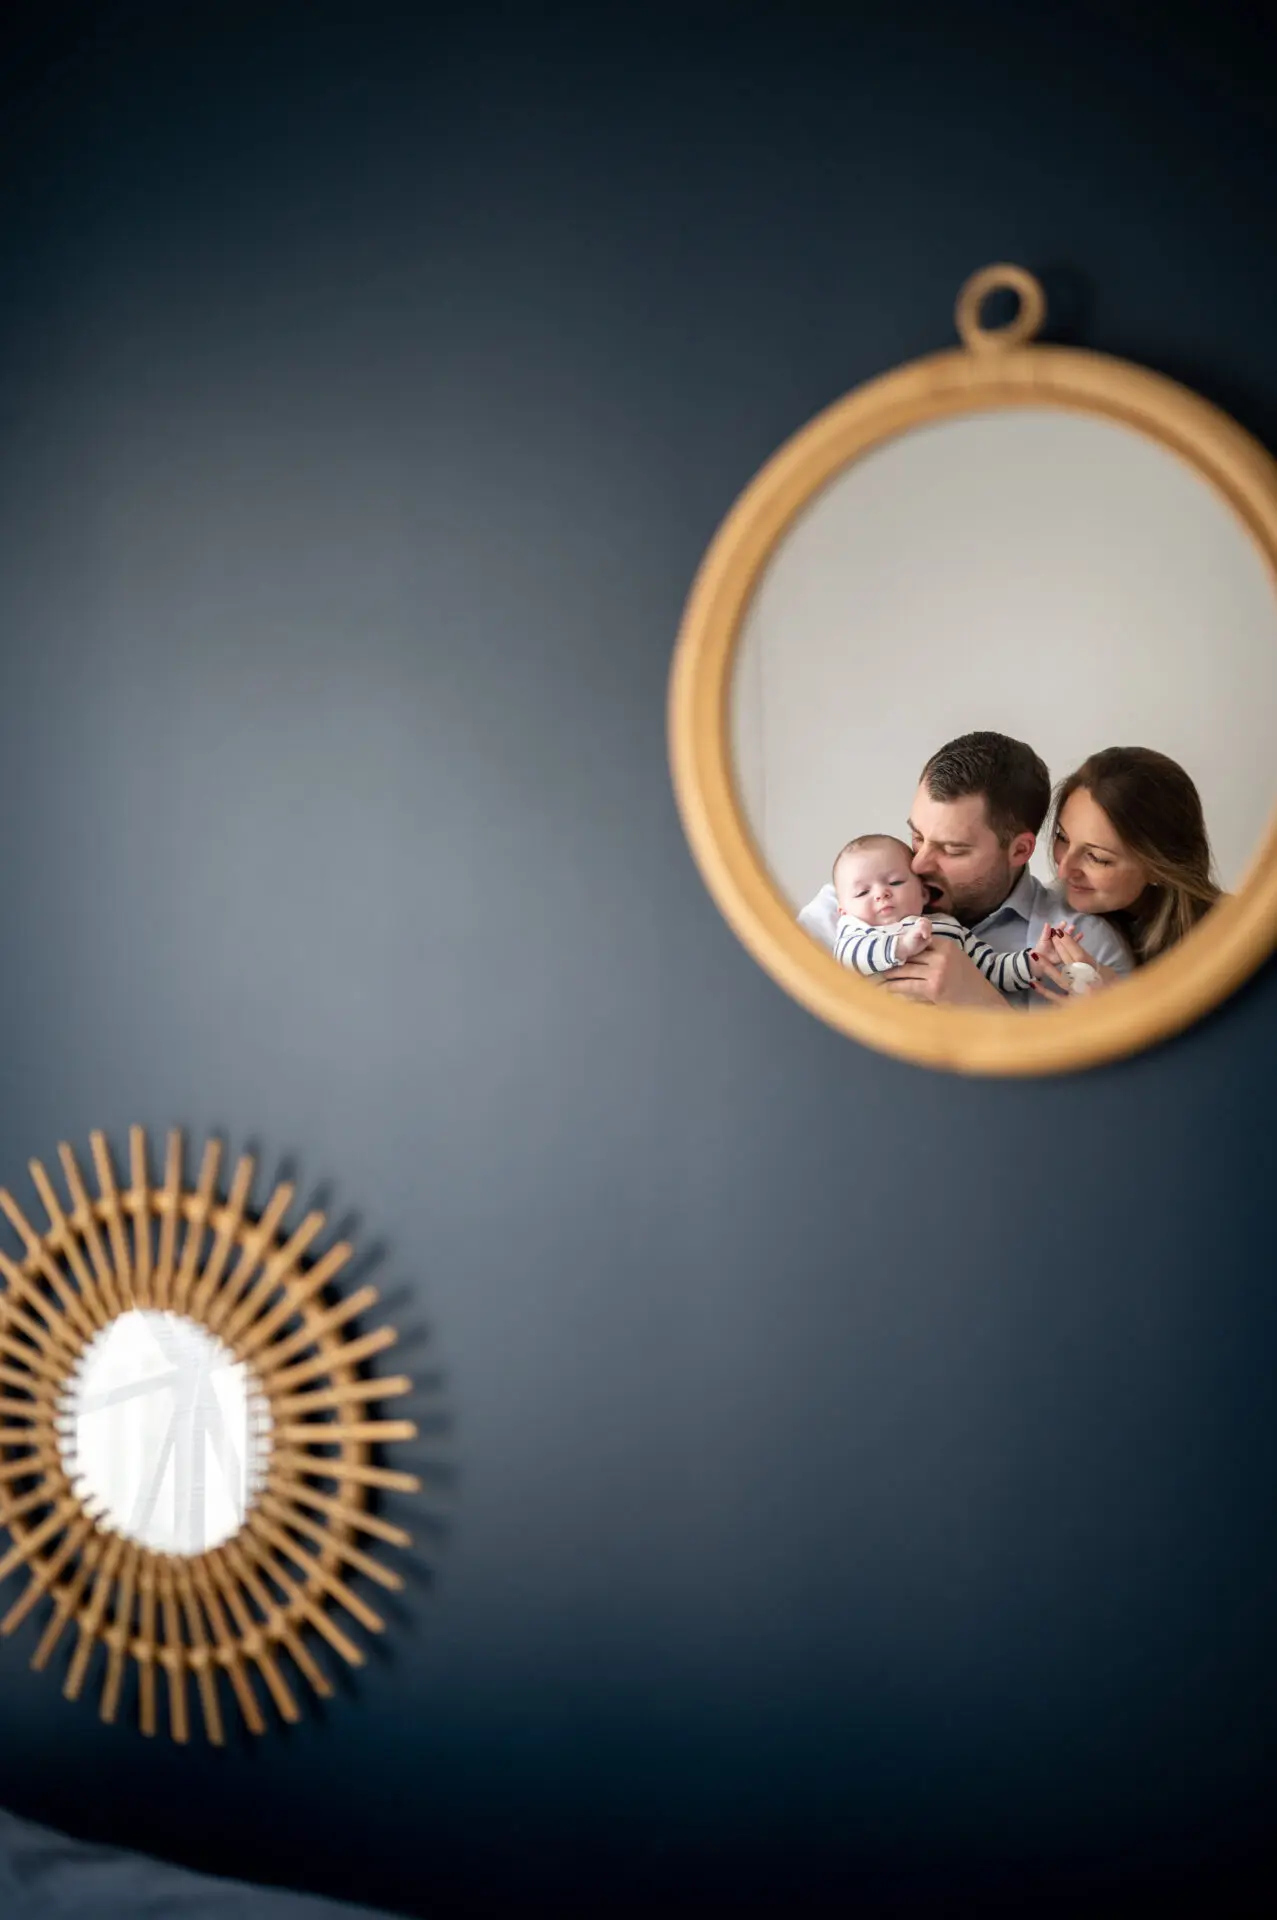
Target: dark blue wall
371	381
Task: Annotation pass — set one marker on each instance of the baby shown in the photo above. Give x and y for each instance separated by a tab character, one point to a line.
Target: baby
882	918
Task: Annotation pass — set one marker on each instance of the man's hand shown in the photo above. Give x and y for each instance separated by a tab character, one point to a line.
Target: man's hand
943	976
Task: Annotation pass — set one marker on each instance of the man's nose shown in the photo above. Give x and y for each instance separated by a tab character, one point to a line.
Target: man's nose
923	861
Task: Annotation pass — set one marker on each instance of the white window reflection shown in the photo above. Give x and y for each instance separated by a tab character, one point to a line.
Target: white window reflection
165	1435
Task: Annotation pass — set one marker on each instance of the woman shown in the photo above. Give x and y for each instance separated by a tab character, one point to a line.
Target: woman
1128	840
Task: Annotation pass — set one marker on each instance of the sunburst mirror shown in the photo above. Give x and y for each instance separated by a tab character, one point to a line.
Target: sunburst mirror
188	1441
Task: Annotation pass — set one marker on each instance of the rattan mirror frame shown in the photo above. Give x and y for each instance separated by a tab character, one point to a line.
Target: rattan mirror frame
283	1581
990	370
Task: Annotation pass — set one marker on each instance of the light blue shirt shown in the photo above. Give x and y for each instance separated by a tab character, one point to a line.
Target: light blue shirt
1016	924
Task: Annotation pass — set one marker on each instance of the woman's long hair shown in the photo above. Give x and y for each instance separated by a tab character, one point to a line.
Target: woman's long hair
1157	813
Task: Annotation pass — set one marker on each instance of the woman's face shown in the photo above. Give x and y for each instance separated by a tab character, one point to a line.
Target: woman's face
1099	874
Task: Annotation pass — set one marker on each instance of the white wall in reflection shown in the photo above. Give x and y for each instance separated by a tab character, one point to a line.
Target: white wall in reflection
1049	575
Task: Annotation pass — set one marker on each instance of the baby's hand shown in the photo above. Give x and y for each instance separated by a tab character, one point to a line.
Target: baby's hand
911	942
1044	961
1047	964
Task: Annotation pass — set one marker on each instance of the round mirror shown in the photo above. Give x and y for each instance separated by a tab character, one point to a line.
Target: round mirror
971	711
165	1436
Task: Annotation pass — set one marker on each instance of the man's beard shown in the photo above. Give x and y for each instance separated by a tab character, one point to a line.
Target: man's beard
972	903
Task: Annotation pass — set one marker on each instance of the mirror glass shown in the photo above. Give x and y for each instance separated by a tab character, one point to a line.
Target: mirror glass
1039	573
164	1434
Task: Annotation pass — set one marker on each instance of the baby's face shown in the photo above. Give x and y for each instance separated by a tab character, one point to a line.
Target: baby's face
878	885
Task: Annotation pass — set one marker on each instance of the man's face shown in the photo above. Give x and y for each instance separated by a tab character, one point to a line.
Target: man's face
956	851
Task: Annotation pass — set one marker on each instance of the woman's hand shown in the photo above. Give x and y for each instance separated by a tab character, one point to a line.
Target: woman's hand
1059	948
1050	982
1071	950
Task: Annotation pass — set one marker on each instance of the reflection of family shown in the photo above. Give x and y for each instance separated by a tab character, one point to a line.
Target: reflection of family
958	919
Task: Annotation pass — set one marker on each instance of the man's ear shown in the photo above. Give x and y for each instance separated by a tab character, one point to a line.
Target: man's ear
1020	851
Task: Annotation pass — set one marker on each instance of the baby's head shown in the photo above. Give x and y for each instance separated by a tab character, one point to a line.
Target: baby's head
875	881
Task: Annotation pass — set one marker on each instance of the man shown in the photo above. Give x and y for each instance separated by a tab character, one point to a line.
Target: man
975	821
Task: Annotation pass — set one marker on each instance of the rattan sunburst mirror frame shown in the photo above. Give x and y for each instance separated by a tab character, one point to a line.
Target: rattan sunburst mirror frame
992	369
284	1578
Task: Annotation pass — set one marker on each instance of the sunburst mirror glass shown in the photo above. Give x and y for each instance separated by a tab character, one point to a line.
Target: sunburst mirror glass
164	1434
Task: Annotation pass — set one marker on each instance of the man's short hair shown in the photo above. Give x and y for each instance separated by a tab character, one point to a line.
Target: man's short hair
1013	780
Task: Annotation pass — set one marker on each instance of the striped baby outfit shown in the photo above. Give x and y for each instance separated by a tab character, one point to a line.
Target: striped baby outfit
873	950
